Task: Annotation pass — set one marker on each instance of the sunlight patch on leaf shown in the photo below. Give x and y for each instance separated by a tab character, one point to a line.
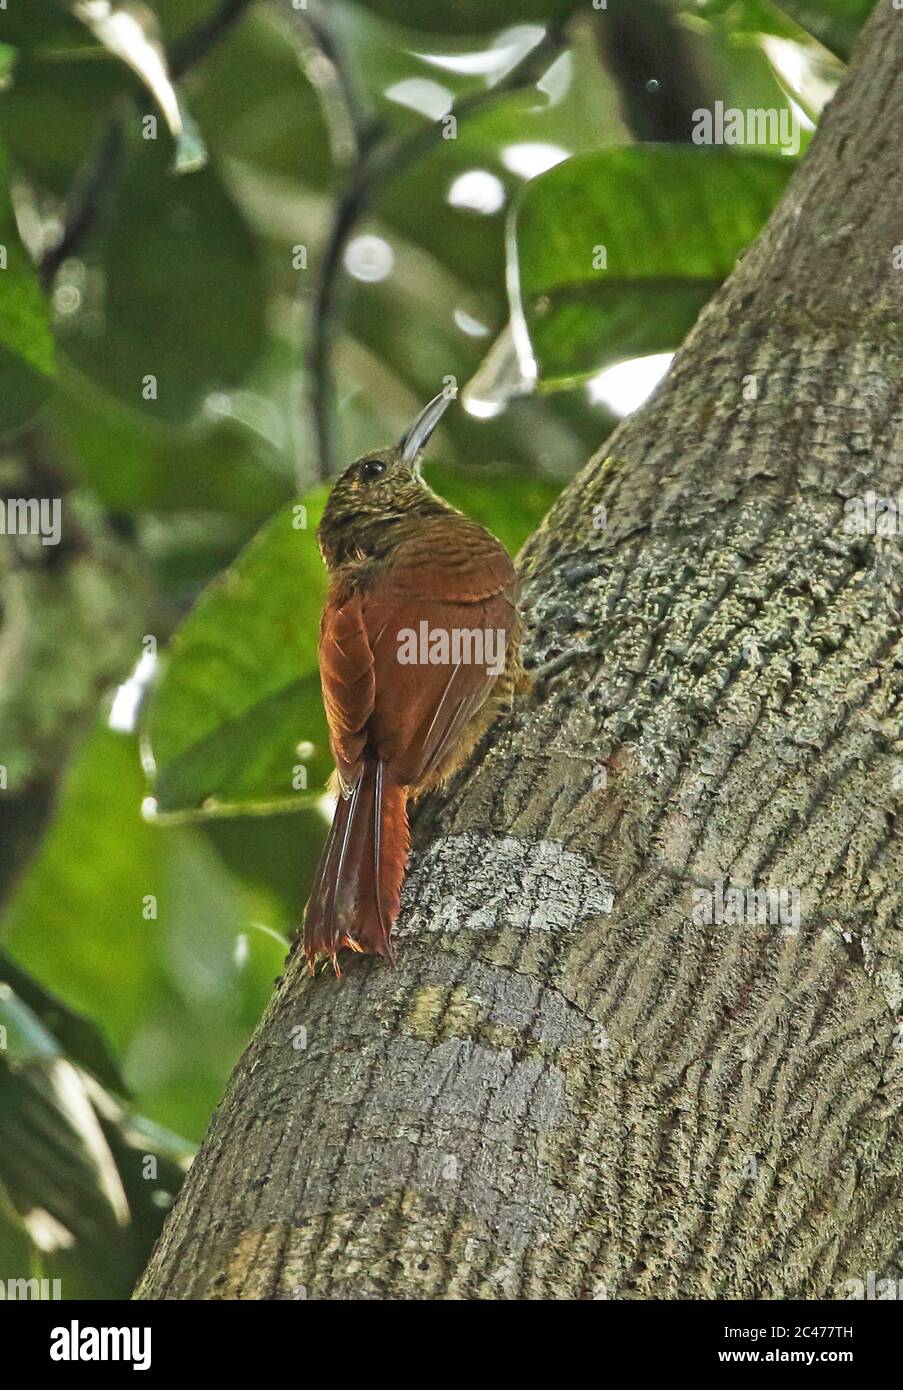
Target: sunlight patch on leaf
131	33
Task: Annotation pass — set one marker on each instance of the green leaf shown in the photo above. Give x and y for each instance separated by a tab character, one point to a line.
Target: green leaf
612	254
240	690
248	763
510	504
473	16
132	1140
54	1155
72	1153
835	23
78	924
26	342
24	1037
38	24
69	1031
131	33
173	302
255	107
54	113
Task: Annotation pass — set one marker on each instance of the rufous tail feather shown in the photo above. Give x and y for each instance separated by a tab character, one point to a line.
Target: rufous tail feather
357	887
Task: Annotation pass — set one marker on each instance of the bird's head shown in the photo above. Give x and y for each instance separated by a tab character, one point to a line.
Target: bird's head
378	490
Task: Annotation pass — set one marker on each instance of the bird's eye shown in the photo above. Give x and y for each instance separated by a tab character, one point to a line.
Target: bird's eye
373	468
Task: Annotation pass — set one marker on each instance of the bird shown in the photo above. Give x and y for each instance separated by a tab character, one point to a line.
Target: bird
419	652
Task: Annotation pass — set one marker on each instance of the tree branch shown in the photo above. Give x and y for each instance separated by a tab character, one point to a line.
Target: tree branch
376	163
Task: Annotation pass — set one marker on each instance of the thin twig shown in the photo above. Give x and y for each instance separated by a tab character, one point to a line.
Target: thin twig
84	200
377	162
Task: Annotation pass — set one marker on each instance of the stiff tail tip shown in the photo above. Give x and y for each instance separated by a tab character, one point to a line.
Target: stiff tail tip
357	887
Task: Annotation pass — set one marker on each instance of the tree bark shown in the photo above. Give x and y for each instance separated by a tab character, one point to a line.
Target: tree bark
572	1085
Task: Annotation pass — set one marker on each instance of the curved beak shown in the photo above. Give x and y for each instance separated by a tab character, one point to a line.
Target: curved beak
415	439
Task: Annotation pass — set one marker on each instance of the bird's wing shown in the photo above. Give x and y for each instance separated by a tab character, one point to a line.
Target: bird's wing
448	558
347	678
449	598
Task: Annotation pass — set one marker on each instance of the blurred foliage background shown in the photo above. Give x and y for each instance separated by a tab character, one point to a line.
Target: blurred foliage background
243	242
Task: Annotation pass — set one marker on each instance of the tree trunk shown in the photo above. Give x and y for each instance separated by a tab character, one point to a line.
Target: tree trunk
574	1084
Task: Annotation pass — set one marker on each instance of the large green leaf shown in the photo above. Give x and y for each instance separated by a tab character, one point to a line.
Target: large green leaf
70	1150
53	114
77	1035
173	299
133	463
24	1037
78	923
131	33
26	342
63	64
612	254
249	762
473	16
53	1155
835	23
510	504
240	691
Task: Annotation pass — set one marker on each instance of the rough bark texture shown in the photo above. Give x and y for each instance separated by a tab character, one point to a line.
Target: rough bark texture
568	1087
